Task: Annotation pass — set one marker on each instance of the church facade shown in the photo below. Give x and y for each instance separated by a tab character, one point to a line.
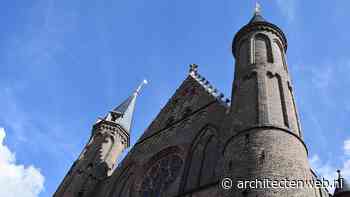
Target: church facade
200	139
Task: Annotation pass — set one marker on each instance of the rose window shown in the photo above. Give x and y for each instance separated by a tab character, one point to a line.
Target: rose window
160	176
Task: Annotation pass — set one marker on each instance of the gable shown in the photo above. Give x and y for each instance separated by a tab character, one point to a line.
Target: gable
206	110
193	94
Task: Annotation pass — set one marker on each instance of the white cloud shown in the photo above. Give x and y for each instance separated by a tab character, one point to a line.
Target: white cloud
324	170
16	179
327	171
346	169
287	8
347	147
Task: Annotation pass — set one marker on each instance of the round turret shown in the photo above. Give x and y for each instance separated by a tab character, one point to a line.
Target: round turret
266	139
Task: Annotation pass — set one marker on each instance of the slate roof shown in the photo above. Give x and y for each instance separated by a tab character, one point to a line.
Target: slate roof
257	18
123	113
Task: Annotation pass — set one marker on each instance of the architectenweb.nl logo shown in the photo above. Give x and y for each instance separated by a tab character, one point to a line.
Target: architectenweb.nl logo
228	183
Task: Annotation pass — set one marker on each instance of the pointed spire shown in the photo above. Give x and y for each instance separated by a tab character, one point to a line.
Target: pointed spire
144	82
126	104
257	8
123	113
257	14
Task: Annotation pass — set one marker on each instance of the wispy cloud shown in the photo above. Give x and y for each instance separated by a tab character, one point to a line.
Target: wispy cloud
44	37
16	179
322	77
28	131
324	169
33	139
347	147
287	8
346	169
327	170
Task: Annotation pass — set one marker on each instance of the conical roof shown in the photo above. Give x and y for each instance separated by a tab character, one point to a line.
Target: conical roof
256	22
123	113
123	107
257	18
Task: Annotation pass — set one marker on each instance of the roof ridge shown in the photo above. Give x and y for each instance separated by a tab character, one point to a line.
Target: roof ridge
219	96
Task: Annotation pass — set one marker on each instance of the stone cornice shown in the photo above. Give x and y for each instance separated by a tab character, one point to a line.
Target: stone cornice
114	127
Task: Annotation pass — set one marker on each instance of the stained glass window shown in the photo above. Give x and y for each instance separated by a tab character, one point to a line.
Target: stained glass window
160	176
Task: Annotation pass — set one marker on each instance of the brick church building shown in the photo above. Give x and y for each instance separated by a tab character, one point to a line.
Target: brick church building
199	138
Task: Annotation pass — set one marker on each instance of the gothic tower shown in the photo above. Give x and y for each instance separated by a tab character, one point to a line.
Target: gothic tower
110	136
266	140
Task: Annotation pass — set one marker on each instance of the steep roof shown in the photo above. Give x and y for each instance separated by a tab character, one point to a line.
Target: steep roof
123	113
195	87
257	18
125	105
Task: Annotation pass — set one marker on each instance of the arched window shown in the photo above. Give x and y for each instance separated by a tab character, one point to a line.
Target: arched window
262	49
201	161
280	51
159	177
160	172
123	184
243	52
125	187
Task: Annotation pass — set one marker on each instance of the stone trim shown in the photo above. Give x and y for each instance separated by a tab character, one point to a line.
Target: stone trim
191	149
118	129
264	127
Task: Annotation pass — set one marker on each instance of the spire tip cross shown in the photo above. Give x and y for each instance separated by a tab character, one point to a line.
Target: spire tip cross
257	7
144	82
193	67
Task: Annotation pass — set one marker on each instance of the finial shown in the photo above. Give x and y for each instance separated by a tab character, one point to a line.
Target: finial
340	180
339	174
257	8
144	82
193	68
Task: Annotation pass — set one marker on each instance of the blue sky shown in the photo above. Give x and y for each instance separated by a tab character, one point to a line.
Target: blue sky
64	63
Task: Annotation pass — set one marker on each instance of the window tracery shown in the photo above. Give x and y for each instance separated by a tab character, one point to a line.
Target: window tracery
160	176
